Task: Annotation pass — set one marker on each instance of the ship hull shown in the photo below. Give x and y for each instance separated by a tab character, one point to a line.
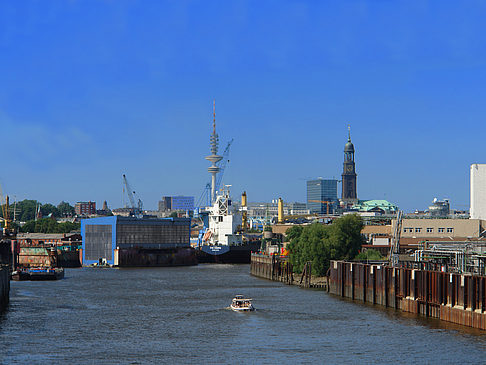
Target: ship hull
223	254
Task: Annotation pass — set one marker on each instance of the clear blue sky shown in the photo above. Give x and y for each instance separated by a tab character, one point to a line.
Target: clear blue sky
90	90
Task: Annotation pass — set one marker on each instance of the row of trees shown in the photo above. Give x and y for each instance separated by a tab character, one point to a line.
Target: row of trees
341	240
26	210
49	225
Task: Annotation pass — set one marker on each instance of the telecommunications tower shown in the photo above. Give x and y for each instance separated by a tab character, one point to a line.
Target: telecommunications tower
214	157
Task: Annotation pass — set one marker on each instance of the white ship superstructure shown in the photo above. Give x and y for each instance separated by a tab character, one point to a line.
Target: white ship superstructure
223	224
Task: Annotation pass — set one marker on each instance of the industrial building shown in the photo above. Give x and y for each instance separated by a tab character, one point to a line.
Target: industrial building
439	208
262	210
130	241
55	239
478	191
438	232
440	229
322	195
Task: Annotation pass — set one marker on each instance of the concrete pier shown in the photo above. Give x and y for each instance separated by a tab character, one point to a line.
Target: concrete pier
455	298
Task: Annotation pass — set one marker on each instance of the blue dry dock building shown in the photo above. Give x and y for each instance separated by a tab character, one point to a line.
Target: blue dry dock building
130	241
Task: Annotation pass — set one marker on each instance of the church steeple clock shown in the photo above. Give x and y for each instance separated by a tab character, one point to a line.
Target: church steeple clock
349	172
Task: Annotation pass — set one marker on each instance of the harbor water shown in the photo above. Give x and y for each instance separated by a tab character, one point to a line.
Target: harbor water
181	315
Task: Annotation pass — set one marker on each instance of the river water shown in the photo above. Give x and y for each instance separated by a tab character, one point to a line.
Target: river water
181	315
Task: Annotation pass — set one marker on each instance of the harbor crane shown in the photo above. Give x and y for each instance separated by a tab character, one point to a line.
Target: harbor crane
5	211
322	202
136	206
222	164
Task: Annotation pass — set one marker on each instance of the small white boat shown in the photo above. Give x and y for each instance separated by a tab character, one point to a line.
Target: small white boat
241	304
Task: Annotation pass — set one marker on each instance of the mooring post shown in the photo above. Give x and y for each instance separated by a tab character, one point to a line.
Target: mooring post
352	280
385	284
481	293
343	271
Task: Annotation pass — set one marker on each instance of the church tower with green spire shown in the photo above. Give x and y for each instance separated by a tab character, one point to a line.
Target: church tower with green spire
349	173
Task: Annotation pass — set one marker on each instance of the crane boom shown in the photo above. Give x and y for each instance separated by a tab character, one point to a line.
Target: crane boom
222	164
136	206
206	194
322	202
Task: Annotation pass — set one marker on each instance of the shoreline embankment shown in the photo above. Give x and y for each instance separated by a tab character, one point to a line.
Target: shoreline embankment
450	297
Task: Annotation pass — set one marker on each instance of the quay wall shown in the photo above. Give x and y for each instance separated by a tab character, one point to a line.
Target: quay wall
271	267
4	286
455	298
278	268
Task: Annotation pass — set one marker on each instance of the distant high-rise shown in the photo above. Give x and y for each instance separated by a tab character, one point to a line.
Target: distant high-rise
322	195
478	191
349	173
179	202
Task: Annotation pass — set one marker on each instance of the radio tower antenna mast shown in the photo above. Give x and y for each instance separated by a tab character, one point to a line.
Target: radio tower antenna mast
214	158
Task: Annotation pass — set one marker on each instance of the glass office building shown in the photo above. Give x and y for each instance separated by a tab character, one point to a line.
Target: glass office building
322	195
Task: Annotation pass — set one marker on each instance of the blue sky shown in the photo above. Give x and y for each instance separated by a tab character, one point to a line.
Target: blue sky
90	90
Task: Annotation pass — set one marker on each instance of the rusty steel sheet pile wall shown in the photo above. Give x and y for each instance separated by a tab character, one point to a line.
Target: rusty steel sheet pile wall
271	267
4	287
455	298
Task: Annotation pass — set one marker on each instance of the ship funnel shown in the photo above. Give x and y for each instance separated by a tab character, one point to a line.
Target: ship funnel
244	222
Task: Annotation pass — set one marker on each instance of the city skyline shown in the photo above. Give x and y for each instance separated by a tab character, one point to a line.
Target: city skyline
133	97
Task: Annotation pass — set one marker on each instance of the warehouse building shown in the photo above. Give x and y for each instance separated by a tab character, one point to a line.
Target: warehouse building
130	241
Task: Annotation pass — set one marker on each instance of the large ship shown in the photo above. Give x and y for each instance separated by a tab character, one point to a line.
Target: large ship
222	241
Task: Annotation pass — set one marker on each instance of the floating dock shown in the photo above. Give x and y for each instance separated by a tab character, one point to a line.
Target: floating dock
455	298
131	242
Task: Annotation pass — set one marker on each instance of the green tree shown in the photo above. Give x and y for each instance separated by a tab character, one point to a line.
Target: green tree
293	232
65	209
369	254
49	210
319	243
28	227
49	225
26	209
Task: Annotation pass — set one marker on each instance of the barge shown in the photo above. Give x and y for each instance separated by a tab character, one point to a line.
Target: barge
38	274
